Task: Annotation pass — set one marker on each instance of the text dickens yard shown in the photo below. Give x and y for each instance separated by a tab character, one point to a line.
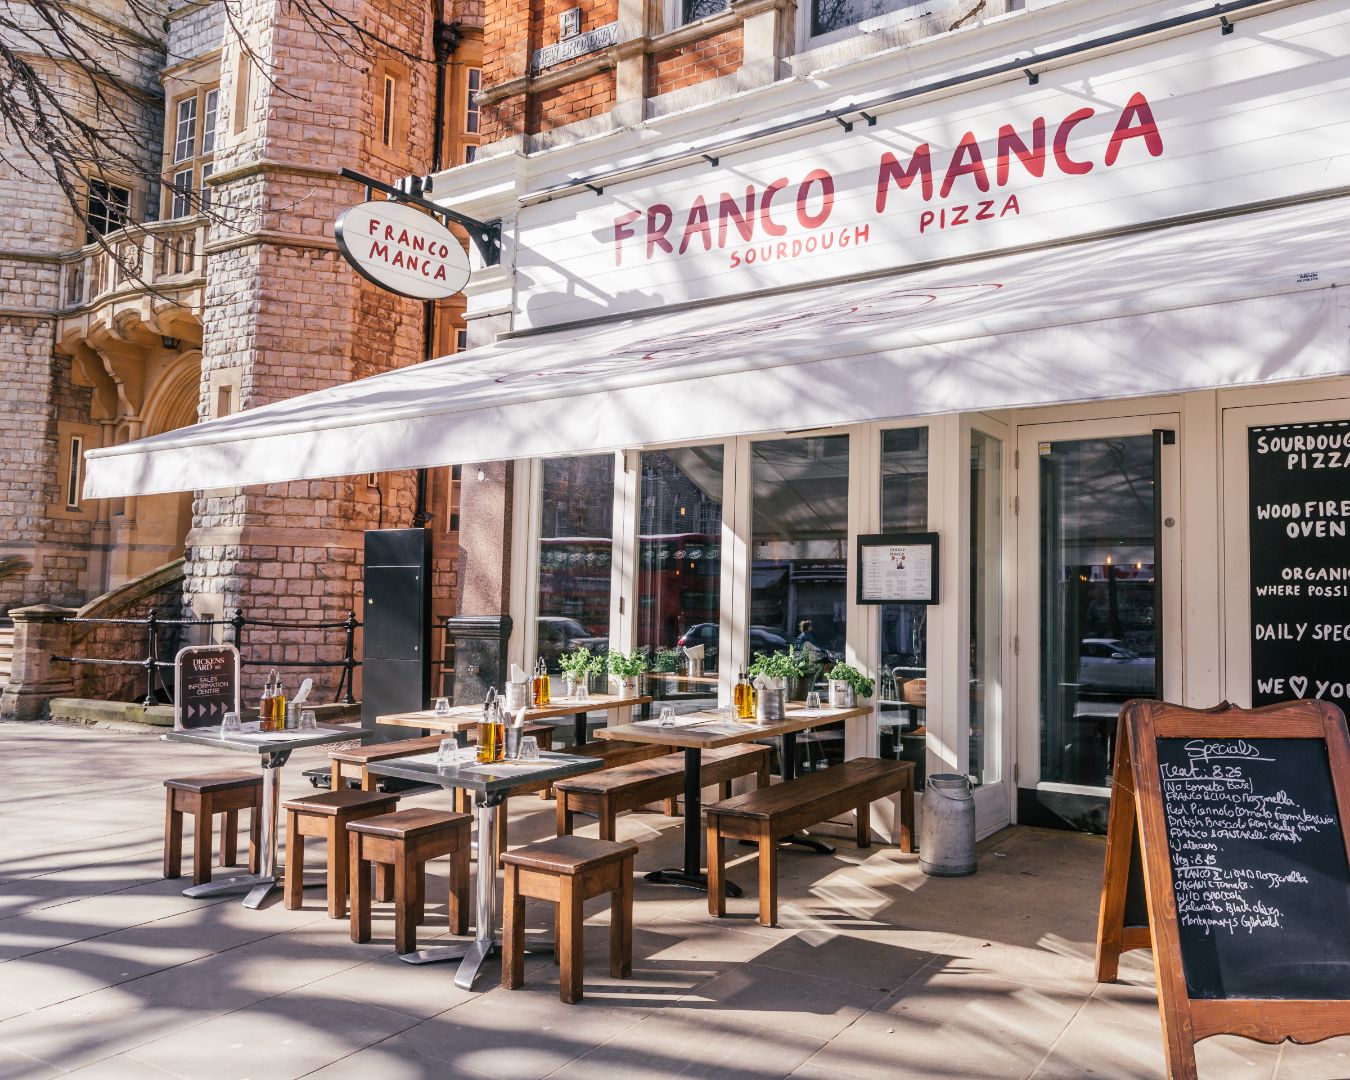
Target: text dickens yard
756	226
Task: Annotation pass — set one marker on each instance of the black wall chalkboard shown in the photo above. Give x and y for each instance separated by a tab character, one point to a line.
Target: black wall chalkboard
1299	483
206	681
1258	866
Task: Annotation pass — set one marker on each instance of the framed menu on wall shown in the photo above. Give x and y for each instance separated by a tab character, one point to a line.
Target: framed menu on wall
898	568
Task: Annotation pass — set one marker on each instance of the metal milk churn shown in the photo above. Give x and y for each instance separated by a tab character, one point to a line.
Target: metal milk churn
947	840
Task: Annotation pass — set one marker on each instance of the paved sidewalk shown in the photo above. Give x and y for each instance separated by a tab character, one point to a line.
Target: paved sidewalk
877	971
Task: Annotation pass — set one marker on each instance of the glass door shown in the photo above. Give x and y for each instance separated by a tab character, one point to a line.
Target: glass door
1092	620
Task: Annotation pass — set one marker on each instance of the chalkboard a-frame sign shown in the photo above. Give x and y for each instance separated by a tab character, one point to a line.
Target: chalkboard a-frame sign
206	685
1242	819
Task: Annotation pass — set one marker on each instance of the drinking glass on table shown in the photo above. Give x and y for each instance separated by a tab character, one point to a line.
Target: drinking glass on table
726	714
529	748
582	692
441	706
229	724
813	699
448	752
666	717
309	720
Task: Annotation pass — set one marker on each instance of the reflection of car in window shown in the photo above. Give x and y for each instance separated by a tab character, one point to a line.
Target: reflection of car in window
1108	666
557	634
762	639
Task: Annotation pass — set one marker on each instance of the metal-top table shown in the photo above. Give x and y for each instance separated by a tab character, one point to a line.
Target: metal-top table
274	750
709	732
462	717
491	784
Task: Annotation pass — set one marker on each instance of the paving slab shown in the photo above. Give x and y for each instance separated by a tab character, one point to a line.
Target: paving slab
874	971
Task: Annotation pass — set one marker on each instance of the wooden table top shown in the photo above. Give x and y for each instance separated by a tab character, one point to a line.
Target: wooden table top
465	716
717	733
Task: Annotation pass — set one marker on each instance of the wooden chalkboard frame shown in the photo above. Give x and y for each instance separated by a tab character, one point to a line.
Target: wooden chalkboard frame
1137	810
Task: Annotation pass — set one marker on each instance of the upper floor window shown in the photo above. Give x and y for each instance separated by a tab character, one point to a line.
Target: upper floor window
387	123
185	131
184	190
73	473
181	198
211	101
473	85
701	9
827	16
105	209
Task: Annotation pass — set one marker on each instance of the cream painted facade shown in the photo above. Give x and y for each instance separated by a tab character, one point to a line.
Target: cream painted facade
995	724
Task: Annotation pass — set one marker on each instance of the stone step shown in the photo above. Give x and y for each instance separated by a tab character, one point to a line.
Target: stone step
6	651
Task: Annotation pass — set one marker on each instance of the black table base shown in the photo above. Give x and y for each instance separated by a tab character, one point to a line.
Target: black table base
688	881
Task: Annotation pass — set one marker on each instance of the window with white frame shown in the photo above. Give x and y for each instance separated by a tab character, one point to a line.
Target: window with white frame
461	340
181	202
473	83
390	99
73	474
693	10
185	191
829	16
209	112
106	209
185	130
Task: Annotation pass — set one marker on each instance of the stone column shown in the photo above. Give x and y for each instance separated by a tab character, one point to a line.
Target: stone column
768	29
482	628
40	632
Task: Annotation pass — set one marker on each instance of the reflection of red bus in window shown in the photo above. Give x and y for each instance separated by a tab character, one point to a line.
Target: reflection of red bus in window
574	580
679	577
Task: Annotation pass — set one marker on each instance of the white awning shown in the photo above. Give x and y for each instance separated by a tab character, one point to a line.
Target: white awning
1228	302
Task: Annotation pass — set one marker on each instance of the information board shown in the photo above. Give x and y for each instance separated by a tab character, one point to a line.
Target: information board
1242	821
898	568
206	685
1299	494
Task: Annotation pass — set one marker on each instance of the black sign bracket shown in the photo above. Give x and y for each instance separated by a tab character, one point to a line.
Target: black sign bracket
486	235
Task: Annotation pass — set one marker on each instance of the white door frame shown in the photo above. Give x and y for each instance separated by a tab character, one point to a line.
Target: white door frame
1025	586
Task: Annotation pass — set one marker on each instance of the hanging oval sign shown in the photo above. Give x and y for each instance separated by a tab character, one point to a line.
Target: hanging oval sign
403	250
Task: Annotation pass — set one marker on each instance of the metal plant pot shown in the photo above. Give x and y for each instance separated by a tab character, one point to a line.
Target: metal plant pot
842	695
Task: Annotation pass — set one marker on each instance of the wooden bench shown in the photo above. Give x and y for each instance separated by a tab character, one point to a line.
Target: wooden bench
783	809
605	794
350	763
616	755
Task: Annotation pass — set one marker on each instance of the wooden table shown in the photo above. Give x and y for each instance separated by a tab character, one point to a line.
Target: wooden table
491	786
711	733
463	717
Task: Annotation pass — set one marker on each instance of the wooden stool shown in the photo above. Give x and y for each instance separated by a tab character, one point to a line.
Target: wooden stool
327	815
203	797
405	840
568	870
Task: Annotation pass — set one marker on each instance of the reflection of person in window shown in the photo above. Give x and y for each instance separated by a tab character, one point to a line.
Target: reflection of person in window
805	637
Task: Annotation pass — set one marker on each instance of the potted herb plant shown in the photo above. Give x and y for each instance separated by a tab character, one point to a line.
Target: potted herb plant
847	684
576	666
627	669
795	667
597	673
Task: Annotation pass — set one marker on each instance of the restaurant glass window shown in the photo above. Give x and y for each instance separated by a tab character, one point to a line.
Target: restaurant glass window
576	540
799	564
1099	599
680	570
902	681
986	606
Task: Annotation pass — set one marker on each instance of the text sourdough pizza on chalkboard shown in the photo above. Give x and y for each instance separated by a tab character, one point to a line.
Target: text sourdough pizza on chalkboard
1242	819
1299	484
206	685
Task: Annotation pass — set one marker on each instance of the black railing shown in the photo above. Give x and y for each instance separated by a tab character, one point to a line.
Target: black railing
153	665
